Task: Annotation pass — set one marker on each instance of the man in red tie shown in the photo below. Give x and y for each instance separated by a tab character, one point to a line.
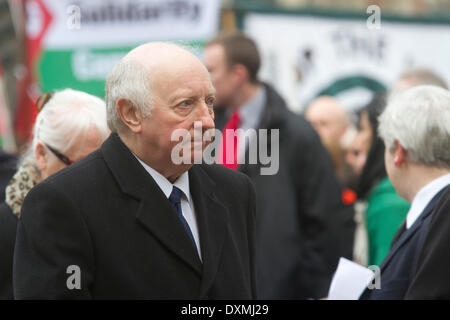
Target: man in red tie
228	149
302	225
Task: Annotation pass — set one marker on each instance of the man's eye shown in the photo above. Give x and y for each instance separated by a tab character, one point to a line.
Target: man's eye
210	101
186	103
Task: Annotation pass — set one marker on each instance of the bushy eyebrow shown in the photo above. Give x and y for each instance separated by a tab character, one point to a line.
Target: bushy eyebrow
187	94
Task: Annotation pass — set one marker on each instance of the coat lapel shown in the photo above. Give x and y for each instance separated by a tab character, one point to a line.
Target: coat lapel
403	238
212	218
155	212
399	232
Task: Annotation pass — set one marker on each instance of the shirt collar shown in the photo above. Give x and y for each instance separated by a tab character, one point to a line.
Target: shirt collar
251	112
165	185
424	196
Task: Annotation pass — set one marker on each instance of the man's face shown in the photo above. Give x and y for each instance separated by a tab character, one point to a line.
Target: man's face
328	119
221	74
327	128
181	96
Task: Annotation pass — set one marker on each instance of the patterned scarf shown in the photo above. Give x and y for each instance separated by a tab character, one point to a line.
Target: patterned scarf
21	183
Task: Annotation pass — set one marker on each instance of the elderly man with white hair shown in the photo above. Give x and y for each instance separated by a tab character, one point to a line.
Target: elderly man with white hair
416	129
70	125
130	222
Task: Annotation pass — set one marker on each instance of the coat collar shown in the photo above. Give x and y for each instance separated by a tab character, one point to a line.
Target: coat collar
273	114
275	110
155	211
134	180
403	238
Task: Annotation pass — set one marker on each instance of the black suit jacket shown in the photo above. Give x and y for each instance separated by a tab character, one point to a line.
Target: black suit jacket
418	264
107	216
302	225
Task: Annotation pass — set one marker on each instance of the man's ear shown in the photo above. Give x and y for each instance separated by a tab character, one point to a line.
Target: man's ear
400	155
130	115
240	73
41	156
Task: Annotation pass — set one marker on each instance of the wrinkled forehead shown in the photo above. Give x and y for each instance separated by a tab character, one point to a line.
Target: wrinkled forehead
187	71
187	84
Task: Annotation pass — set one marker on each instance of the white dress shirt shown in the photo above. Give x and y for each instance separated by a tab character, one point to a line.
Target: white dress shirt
187	204
424	196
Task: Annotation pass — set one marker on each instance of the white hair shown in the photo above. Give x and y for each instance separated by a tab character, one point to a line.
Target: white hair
419	119
65	118
128	80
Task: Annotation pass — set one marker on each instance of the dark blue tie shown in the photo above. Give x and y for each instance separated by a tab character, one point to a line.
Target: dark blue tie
175	201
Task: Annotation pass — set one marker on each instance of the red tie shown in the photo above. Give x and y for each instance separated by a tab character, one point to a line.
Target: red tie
232	124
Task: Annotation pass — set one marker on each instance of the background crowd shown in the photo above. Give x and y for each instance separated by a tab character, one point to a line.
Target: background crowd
330	198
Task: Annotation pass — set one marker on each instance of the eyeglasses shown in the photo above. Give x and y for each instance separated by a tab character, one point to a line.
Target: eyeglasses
42	100
60	156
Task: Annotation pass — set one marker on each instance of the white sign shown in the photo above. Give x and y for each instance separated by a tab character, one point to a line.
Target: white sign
349	281
103	23
304	55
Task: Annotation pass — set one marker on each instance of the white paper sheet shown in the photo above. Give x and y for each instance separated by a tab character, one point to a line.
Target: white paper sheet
349	281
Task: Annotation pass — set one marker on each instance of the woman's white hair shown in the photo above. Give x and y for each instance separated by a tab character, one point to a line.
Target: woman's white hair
128	80
419	119
65	118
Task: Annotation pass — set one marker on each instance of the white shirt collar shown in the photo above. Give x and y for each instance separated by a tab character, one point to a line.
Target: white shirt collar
165	185
424	196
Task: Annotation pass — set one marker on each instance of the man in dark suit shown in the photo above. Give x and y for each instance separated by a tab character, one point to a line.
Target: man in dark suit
415	128
302	225
128	222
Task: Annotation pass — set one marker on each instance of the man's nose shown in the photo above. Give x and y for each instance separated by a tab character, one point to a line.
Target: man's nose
207	117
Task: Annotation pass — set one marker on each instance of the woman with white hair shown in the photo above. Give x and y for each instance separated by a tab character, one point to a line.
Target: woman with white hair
70	125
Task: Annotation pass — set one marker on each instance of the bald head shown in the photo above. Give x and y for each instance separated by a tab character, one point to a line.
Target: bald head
328	117
136	76
161	57
416	77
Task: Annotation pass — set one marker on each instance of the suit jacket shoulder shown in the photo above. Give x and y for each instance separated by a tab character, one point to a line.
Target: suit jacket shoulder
416	252
432	277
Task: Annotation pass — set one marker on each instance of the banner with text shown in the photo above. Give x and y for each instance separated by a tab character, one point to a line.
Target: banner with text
75	43
306	56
